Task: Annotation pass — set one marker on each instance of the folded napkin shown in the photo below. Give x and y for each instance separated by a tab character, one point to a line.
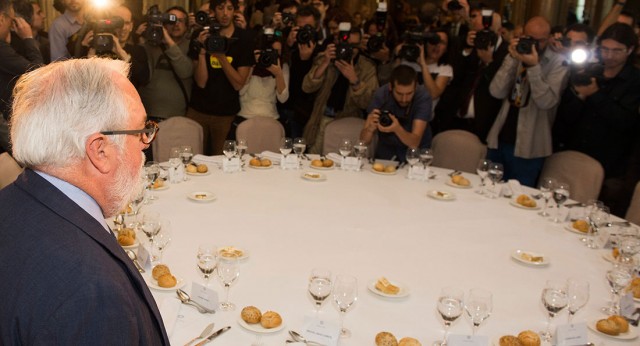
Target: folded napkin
169	308
274	157
335	157
216	159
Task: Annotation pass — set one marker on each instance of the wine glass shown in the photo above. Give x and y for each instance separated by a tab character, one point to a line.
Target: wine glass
426	157
345	294
241	146
360	150
598	216
207	258
450	307
560	195
152	170
483	171
174	153
413	157
496	171
229	149
160	241
618	279
554	299
578	296
546	187
136	204
286	146
629	247
592	203
478	306
299	146
319	286
345	148
228	271
186	154
151	225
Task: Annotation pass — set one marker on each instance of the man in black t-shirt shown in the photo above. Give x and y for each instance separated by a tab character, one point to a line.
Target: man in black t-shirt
219	76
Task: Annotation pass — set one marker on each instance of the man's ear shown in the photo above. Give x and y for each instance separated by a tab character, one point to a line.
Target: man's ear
99	152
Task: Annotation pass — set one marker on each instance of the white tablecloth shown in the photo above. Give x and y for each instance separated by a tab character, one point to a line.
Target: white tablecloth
370	225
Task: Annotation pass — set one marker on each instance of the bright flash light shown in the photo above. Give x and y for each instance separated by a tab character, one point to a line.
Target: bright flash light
101	3
579	56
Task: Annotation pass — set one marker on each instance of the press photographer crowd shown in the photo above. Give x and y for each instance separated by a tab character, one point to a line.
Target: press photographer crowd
526	91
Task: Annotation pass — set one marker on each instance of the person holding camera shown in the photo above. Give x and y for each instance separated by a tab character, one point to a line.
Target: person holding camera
169	89
65	26
222	63
530	82
399	113
344	82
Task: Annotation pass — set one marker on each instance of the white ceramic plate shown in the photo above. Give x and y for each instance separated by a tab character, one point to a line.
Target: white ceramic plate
404	290
630	335
441	195
313	176
323	168
258	328
515	204
201	196
384	173
196	173
452	184
245	253
154	284
569	227
517	255
262	167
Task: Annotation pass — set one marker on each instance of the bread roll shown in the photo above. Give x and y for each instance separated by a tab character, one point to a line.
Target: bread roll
160	270
316	163
265	162
407	341
623	325
386	339
255	162
270	319
378	167
390	169
202	168
608	327
509	340
529	338
125	240
327	163
167	281
581	225
191	168
251	314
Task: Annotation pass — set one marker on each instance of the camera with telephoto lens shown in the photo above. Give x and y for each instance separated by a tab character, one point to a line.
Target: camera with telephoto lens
306	35
215	43
486	37
376	42
268	56
410	50
288	18
344	49
104	31
583	66
525	45
155	19
454	5
385	119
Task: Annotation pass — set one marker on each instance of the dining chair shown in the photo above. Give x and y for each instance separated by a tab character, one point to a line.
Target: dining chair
583	173
9	170
343	128
261	133
174	132
633	213
458	150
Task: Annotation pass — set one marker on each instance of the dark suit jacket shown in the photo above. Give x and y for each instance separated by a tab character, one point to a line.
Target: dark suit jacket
63	279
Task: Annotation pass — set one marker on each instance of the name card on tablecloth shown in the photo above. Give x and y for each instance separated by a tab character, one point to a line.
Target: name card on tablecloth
572	335
204	296
467	340
231	165
290	162
350	163
627	305
321	331
143	258
418	173
176	171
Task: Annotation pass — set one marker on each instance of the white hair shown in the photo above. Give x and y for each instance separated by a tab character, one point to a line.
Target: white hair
58	106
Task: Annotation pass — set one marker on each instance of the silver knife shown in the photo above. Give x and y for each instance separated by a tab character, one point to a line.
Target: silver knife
214	335
204	333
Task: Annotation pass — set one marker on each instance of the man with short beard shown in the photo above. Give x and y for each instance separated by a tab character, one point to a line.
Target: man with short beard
79	128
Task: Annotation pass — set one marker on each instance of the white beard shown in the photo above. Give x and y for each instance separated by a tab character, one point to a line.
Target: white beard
125	187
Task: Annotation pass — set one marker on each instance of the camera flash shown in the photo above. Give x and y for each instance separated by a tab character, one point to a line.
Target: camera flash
579	56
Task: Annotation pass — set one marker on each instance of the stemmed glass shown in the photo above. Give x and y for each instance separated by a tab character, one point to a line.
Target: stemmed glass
591	204
345	148
160	241
450	308
299	146
426	157
618	278
286	146
186	154
241	147
496	171
207	258
598	216
151	225
483	171
413	157
629	247
136	204
360	150
578	296
554	299
345	294
319	286
229	149
478	306
228	271
152	170
546	187
560	195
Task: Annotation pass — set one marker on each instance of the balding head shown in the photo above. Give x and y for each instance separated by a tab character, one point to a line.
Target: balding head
539	29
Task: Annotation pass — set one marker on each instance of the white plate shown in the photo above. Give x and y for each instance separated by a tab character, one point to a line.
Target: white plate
441	195
630	335
154	284
313	176
245	253
323	168
262	167
201	196
196	173
515	204
452	184
404	290
384	173
569	227
517	255
258	328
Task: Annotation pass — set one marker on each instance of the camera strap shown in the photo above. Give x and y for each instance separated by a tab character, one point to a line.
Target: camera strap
175	75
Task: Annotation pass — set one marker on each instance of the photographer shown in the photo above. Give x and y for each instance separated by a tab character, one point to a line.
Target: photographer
65	26
169	88
221	67
598	114
530	82
399	113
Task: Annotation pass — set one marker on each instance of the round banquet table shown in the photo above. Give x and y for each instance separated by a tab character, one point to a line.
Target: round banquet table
370	225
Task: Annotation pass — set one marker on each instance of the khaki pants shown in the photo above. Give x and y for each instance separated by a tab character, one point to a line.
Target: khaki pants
215	129
319	143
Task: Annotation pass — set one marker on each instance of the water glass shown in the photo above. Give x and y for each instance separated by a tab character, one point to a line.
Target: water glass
483	172
546	187
319	287
554	298
228	271
345	294
578	296
478	306
450	306
207	259
560	195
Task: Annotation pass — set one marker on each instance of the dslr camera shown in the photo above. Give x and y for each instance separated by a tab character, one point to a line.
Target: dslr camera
268	56
375	42
288	18
216	43
583	66
410	50
385	119
486	37
306	35
344	49
155	19
525	45
104	31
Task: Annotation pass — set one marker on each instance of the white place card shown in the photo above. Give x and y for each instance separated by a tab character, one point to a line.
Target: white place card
231	165
290	162
602	238
563	215
467	340
627	305
144	259
350	163
516	188
572	334
418	173
321	331
204	296
176	171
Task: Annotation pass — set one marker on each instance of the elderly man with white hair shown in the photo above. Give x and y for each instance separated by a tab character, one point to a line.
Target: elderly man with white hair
79	128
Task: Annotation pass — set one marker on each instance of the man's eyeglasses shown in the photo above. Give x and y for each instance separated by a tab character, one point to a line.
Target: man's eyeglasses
147	134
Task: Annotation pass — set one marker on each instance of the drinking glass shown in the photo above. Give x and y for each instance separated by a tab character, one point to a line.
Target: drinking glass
152	171
554	299
598	216
450	307
229	149
426	157
546	187
360	150
186	154
207	258
560	195
136	204
345	148
299	146
241	146
592	203
495	173
160	241
413	157
478	306
483	171
578	295
228	271
629	247
618	279
151	225
345	294
319	286
174	153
